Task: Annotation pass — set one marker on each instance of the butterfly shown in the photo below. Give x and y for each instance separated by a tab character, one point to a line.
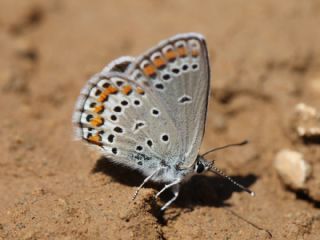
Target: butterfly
148	113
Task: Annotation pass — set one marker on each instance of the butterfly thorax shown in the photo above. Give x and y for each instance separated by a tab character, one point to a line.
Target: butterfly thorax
170	173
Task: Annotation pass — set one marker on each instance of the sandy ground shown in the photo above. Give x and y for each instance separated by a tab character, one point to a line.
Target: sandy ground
265	58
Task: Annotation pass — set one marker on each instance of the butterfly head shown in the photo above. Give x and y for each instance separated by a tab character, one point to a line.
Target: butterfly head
202	165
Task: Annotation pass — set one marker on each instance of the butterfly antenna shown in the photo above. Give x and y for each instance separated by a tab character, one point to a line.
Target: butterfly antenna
222	174
226	146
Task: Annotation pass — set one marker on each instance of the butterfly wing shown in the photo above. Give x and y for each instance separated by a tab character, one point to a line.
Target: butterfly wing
125	121
177	72
120	65
150	111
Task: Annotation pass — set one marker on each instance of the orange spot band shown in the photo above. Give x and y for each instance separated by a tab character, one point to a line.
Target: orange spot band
127	89
149	70
170	55
159	62
195	53
97	121
140	90
182	51
109	90
98	109
96	139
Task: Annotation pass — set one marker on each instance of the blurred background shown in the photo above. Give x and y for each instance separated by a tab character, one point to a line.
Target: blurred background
265	61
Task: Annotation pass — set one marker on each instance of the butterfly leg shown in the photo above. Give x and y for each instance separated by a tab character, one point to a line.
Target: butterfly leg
175	190
168	186
144	182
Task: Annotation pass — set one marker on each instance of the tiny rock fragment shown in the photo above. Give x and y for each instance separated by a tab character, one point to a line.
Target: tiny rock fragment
292	168
306	122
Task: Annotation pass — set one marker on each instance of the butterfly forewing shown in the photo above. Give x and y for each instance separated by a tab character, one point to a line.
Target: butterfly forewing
177	72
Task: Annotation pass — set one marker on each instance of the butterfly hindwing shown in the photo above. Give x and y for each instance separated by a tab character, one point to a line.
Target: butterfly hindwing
125	121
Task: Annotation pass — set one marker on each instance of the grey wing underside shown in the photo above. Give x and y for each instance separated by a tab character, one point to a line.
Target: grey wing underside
123	119
178	72
171	83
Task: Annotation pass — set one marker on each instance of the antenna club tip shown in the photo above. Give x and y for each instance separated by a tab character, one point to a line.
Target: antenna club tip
253	194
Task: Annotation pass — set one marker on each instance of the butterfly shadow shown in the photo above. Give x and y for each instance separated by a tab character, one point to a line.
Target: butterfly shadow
119	173
200	190
209	190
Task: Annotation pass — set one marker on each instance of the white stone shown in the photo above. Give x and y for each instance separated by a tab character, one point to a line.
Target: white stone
306	121
292	168
308	111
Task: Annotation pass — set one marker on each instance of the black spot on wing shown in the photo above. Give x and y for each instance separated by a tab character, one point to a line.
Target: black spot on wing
138	125
185	99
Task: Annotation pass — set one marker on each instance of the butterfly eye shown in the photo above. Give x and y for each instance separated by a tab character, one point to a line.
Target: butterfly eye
199	168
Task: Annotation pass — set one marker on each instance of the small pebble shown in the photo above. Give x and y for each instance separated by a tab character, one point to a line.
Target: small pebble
306	121
292	168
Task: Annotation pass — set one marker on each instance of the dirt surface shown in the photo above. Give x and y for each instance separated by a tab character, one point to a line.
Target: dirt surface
265	58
